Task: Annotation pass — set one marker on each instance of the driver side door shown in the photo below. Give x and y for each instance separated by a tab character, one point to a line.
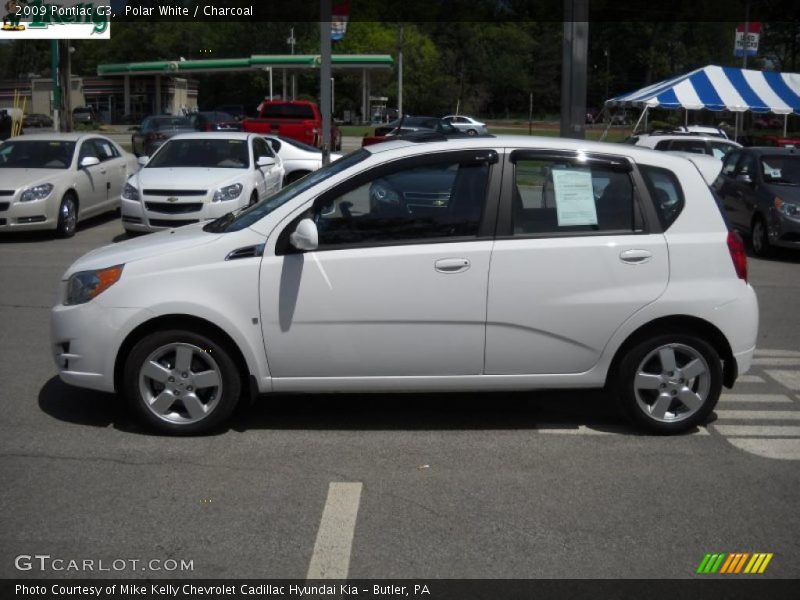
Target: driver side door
397	285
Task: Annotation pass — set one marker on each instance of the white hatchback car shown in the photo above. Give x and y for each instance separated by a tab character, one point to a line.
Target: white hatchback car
195	177
502	263
696	143
298	159
52	181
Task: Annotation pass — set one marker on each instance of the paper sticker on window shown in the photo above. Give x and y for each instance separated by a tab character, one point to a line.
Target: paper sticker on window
574	197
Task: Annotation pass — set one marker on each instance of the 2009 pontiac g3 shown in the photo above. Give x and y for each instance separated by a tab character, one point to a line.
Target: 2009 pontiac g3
495	263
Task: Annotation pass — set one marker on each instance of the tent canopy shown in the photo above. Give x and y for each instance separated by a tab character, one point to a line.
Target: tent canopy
720	88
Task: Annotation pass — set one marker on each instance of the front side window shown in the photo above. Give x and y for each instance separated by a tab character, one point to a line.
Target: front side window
747	166
554	197
720	149
729	167
435	201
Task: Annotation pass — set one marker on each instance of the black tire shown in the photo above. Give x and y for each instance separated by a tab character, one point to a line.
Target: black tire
760	238
705	386
208	354
67	216
472	132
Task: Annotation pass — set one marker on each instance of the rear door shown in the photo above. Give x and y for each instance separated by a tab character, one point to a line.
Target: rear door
578	252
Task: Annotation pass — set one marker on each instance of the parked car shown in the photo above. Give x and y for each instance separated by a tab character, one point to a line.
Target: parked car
411	126
37	120
685	142
298	159
592	265
214	121
85	115
760	190
156	130
199	176
296	119
236	110
466	124
768	122
53	181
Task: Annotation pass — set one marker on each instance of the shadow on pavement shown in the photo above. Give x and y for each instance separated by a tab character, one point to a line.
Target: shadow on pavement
27	237
82	407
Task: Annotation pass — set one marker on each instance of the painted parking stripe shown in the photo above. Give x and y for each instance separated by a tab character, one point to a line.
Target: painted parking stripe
776	362
585	430
769	448
754	398
782	431
770	415
778	353
749	379
331	556
788	379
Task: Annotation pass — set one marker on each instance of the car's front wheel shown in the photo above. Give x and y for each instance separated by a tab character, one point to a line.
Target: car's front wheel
761	245
181	382
669	383
67	216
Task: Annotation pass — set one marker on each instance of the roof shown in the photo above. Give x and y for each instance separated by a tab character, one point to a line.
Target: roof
721	88
773	150
205	135
256	61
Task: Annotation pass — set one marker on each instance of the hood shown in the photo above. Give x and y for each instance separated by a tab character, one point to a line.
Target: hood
790	193
25	178
161	243
186	178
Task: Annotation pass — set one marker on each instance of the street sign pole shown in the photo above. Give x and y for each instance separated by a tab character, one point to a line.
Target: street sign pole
573	68
325	77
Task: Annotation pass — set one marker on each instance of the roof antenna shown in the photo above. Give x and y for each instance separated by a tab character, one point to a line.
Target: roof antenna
400	124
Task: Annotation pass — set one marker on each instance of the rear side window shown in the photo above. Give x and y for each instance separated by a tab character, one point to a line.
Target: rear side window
695	146
665	191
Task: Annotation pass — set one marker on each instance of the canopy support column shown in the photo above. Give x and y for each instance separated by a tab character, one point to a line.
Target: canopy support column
641	116
364	110
686	117
157	107
126	94
785	120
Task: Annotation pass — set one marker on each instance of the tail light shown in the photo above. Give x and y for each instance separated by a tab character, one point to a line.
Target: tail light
738	256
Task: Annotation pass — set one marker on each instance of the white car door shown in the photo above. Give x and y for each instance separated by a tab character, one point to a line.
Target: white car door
116	169
397	286
269	179
577	253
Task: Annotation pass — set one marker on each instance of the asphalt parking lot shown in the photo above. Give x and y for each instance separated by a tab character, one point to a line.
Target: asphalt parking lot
543	485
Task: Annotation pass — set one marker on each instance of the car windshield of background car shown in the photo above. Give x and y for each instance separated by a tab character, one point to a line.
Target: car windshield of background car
207	153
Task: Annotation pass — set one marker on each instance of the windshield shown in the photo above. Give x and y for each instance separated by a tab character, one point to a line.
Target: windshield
36	155
217	153
236	221
782	170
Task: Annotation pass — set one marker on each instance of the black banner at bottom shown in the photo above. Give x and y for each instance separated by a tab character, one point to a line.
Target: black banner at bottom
733	588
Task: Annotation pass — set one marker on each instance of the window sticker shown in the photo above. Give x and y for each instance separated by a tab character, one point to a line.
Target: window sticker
574	197
770	171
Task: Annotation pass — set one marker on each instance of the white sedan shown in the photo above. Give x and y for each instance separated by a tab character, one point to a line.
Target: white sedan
52	181
199	176
466	124
299	159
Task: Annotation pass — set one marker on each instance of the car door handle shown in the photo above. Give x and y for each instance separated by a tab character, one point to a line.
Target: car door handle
451	265
635	257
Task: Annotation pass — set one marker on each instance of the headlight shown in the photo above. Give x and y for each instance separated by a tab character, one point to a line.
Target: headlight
130	193
38	192
790	209
86	285
229	192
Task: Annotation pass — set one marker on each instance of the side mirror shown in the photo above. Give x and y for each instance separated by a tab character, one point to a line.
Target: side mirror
265	161
143	160
305	236
744	178
89	161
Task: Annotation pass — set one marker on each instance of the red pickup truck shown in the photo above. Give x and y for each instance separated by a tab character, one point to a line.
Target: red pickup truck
298	119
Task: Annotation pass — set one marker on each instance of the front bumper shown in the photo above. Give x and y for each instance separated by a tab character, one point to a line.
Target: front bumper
135	217
84	342
26	216
783	231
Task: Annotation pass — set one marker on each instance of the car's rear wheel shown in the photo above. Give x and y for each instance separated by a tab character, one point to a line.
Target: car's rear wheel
761	245
472	132
180	382
67	216
669	383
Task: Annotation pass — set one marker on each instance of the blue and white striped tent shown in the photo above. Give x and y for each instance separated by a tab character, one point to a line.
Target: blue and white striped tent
721	88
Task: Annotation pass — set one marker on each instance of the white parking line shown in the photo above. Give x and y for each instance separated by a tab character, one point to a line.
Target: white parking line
780	449
772	352
788	379
331	556
749	379
784	431
776	362
754	398
769	415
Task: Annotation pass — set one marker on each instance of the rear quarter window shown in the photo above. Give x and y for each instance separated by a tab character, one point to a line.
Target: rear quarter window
666	192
